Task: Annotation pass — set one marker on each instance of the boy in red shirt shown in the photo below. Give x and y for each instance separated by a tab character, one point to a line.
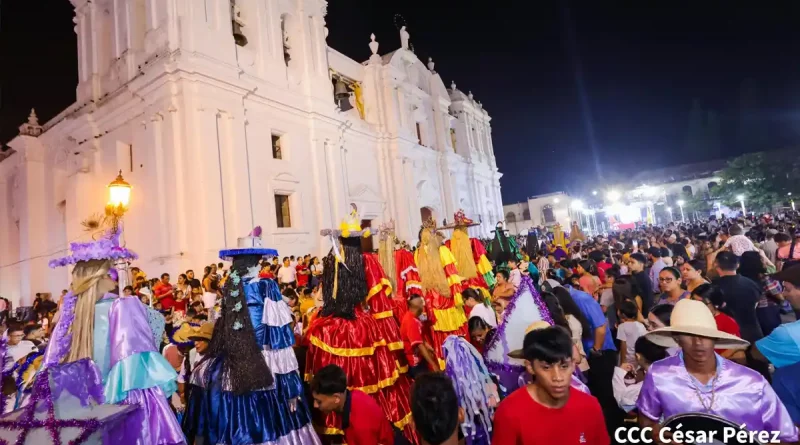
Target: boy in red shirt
419	355
548	411
363	421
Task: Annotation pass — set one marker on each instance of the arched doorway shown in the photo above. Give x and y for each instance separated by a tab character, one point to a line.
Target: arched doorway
426	213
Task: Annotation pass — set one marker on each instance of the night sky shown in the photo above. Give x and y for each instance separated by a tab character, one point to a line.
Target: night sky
575	89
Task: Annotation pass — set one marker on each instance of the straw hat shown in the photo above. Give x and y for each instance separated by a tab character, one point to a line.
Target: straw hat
692	317
518	353
188	332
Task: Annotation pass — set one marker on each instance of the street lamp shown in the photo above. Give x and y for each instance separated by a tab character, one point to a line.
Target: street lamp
119	196
556	200
594	192
741	200
613	196
680	204
669	209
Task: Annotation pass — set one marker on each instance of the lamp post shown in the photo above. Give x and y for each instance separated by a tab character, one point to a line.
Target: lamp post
119	196
741	200
669	209
680	204
791	200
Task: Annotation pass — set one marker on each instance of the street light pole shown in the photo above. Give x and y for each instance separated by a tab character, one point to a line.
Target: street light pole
680	204
741	200
669	209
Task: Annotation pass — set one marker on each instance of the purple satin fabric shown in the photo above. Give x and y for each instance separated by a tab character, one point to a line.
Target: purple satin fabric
148	424
81	379
742	396
61	336
128	330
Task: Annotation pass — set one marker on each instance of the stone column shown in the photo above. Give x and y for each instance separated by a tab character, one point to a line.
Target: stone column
33	248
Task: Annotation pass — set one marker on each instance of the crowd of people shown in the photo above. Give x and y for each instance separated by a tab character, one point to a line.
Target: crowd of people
631	328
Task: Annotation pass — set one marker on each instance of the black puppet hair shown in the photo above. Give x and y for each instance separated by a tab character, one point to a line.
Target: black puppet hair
351	288
234	340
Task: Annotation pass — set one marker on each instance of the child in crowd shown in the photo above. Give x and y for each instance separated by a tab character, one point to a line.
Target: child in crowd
628	331
646	353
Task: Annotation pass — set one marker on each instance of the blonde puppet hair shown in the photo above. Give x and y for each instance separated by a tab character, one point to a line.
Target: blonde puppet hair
90	281
461	247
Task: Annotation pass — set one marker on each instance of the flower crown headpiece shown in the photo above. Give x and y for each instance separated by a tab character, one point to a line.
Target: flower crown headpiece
105	248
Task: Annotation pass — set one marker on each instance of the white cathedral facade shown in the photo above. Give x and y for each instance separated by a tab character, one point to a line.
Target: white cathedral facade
217	135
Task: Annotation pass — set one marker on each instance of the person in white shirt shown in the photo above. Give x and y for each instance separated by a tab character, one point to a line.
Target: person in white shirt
627	393
738	242
287	274
17	347
628	331
474	300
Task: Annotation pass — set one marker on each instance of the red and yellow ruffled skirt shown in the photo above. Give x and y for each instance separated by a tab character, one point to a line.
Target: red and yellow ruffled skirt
445	318
357	346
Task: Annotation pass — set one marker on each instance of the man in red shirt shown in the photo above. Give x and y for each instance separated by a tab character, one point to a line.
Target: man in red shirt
302	272
363	421
163	292
548	411
419	355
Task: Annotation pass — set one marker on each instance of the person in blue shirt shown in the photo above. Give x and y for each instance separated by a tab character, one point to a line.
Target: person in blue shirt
786	383
782	346
600	351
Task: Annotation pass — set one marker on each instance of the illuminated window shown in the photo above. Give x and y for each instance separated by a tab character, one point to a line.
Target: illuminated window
282	212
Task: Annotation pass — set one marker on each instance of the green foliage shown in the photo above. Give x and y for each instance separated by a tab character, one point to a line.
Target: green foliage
764	179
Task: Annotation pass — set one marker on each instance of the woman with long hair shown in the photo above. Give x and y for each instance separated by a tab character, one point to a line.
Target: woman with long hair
571	324
693	274
588	281
571	309
768	309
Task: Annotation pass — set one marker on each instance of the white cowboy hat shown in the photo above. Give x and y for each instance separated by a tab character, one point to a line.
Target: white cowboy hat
693	317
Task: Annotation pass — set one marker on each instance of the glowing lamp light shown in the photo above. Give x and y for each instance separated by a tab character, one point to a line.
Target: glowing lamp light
681	202
594	192
119	192
669	209
740	197
577	204
556	200
613	195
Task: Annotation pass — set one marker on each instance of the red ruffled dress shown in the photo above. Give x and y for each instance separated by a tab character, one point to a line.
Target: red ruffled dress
445	312
382	307
359	347
485	278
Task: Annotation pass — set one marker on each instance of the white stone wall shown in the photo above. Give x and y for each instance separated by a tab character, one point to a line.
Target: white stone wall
166	96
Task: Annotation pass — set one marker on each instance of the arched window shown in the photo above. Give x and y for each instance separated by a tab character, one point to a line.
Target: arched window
526	215
511	217
547	212
711	186
687	190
